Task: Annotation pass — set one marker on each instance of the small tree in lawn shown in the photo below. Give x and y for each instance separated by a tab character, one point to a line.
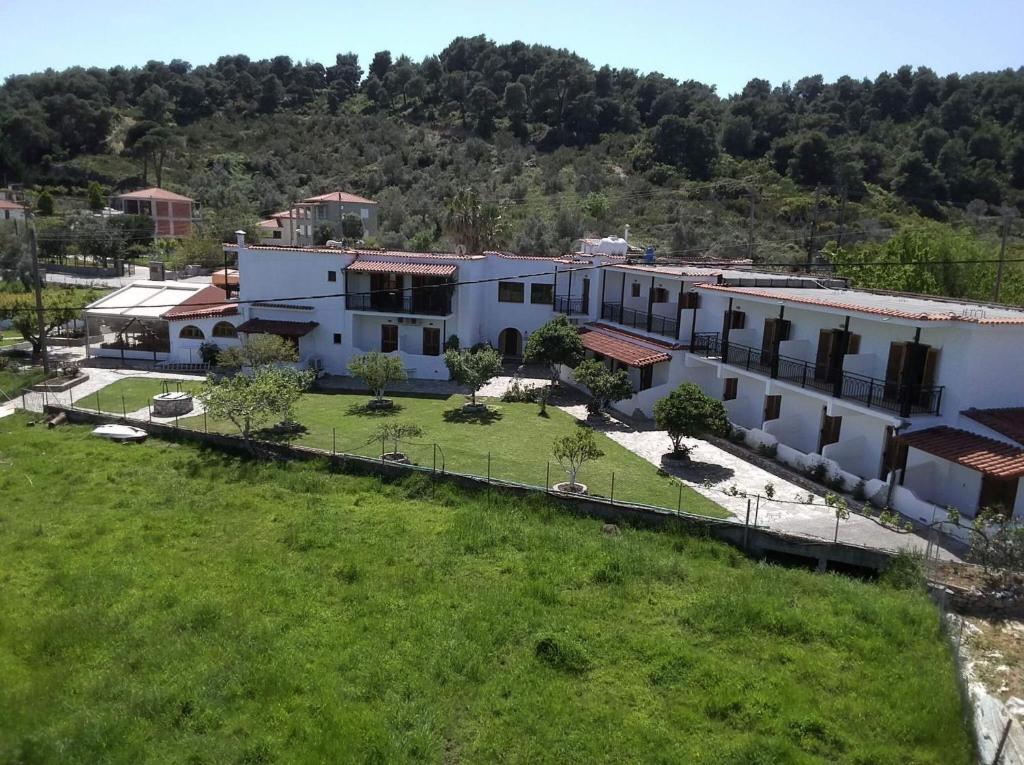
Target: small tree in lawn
258	351
395	432
473	368
573	451
606	387
688	412
556	343
378	371
250	401
840	507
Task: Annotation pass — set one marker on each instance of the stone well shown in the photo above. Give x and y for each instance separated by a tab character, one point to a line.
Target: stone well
172	404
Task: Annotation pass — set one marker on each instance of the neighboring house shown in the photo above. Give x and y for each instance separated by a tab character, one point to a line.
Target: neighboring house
913	395
173	214
297	226
10	210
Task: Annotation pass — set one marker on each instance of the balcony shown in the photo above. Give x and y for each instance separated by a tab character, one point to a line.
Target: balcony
569	305
420	302
628	317
902	400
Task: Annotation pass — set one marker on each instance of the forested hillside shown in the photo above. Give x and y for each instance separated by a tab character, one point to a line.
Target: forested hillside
559	147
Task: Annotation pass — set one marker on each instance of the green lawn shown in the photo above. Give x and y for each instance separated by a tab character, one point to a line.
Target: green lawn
12	383
517	438
164	604
137	394
9	337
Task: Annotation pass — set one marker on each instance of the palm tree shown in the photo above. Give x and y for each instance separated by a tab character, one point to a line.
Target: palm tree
471	223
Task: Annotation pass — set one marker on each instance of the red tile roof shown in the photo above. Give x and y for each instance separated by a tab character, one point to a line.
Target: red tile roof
154	193
876	310
6	204
340	196
277	327
1008	421
390	267
211	301
986	455
649	340
622	348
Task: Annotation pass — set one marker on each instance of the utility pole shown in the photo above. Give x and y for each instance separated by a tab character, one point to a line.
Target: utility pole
750	223
842	215
814	227
37	283
1002	257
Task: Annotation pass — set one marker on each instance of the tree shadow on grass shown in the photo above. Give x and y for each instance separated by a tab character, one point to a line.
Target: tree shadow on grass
695	472
483	416
365	410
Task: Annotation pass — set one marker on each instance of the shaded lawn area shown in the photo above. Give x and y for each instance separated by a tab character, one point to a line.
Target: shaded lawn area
9	337
12	383
137	392
170	604
517	438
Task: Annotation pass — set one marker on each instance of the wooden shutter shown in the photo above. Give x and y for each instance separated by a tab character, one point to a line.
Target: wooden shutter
731	385
894	369
931	361
690	300
771	326
824	355
853	344
388	338
830	427
772	407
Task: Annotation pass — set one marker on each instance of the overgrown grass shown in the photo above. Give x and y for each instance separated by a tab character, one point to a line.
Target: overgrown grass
132	394
12	383
162	603
517	439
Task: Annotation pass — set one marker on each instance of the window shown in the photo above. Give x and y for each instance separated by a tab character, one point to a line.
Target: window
646	377
659	295
542	294
332	276
635	289
191	332
388	338
337	338
772	407
731	386
276	235
511	292
364	213
431	341
224	329
691	300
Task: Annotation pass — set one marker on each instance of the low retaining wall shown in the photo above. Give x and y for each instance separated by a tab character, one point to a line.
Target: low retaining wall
99	273
73	342
756	541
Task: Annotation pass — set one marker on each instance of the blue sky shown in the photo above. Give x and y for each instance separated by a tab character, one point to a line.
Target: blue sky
723	43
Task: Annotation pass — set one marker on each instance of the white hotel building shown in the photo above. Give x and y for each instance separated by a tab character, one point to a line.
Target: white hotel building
919	397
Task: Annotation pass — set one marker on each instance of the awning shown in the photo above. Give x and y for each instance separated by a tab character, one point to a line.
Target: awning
206	303
986	455
275	327
1008	421
389	267
620	348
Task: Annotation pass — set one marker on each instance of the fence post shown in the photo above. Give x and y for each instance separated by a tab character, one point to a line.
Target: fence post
149	409
1002	742
206	427
124	410
488	467
97	401
334	441
434	449
547	476
382	447
175	421
746	526
757	509
679	500
612	498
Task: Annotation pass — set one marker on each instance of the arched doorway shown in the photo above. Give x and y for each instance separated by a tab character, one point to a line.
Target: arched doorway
510	343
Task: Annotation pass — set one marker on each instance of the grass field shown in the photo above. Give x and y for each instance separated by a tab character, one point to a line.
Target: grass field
165	604
133	394
516	437
11	383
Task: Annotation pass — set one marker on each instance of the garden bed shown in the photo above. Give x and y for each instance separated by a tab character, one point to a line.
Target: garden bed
60	384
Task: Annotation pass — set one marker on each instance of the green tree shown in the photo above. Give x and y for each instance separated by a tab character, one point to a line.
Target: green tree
605	387
396	432
555	344
378	371
688	412
686	144
271	94
380	64
474	224
59	307
920	184
473	368
574	450
95	194
258	351
352	227
44	203
249	401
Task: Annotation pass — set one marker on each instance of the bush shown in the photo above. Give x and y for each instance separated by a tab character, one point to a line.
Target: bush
835	482
817	472
209	351
905	571
859	491
768	450
517	393
689	412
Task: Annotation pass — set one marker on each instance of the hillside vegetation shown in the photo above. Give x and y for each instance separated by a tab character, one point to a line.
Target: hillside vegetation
561	147
164	603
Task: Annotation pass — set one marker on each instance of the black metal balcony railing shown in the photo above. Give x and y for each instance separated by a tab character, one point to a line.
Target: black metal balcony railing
659	325
569	305
405	301
904	400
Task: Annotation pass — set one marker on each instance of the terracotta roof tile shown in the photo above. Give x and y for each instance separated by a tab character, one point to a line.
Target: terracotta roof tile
6	204
340	196
211	301
391	267
154	193
277	327
622	348
1008	421
986	455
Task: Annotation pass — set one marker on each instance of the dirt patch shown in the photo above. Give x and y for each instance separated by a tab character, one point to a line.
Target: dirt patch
996	649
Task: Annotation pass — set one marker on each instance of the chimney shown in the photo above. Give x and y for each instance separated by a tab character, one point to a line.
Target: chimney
240	237
626	236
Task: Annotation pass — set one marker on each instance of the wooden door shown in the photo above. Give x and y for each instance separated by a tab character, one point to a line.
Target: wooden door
894	369
772	407
830	428
585	308
388	338
823	358
998	493
775	331
431	341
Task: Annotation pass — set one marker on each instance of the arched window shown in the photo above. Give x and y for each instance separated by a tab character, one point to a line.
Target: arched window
191	332
224	329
